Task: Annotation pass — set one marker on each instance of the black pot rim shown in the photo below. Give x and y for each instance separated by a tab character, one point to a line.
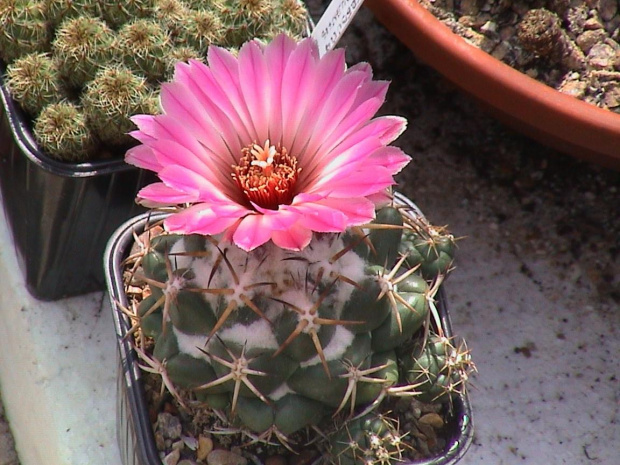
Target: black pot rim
116	250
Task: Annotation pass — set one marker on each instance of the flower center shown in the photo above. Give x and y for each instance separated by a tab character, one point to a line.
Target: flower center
266	175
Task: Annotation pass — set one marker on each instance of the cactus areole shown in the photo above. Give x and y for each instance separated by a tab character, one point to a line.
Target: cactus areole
286	288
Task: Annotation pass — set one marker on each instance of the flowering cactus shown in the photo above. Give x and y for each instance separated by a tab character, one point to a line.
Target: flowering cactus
288	288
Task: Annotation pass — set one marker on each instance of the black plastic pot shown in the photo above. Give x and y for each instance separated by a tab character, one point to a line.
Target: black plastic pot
134	431
60	214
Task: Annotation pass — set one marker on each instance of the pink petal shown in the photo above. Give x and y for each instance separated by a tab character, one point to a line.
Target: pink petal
256	86
225	69
182	104
356	184
252	231
199	219
319	217
358	210
143	157
277	54
161	194
226	123
299	72
185	180
392	158
296	237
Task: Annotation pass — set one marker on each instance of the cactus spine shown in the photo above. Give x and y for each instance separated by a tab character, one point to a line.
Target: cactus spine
280	340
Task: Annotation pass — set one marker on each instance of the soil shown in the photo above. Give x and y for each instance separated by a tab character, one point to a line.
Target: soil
570	45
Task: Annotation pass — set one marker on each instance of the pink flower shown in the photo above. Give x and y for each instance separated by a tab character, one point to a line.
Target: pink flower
270	145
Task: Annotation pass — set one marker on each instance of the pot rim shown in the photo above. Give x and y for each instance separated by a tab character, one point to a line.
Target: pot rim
544	113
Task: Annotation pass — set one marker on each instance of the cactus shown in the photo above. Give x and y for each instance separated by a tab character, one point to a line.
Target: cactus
369	440
34	82
23	29
437	368
143	45
281	340
82	45
61	130
111	98
147	36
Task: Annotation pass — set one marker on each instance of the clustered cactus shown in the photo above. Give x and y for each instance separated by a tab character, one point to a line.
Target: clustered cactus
67	52
277	341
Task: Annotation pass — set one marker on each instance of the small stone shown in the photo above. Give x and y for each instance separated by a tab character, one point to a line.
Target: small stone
187	462
574	88
225	457
592	24
169	426
205	446
612	96
172	458
601	56
501	50
589	39
432	419
470	7
608	9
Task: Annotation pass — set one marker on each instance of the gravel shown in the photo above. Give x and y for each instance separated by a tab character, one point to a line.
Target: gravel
570	45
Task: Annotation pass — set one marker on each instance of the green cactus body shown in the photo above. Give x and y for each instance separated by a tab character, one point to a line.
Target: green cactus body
112	98
430	249
59	10
143	46
370	440
23	29
200	29
61	130
34	82
269	332
82	45
117	13
437	369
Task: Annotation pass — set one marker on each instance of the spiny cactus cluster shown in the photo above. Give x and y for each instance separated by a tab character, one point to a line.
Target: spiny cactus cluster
277	341
105	59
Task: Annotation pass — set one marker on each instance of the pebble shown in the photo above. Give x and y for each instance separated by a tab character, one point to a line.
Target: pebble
205	446
172	458
589	39
187	462
608	9
225	457
601	56
432	419
169	426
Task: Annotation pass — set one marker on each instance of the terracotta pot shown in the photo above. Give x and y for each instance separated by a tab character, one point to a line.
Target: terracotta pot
541	112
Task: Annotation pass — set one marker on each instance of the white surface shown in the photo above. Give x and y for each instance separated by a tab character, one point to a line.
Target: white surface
57	372
560	404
